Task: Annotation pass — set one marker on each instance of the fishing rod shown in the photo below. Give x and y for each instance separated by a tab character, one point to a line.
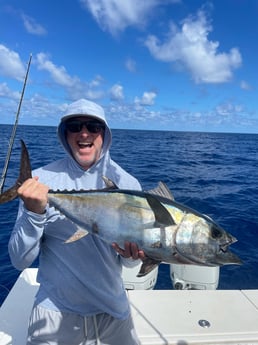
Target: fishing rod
8	156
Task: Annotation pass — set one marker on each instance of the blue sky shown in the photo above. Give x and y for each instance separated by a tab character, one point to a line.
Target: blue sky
156	64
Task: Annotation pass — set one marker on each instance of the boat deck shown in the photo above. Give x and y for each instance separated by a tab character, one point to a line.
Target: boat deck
184	317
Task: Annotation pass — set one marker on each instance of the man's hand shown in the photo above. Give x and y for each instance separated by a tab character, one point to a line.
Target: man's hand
34	195
130	250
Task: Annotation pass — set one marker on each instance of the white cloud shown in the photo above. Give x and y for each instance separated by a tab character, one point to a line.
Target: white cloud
74	87
58	73
11	64
190	47
228	108
5	91
147	98
116	15
32	26
244	85
96	81
116	92
130	65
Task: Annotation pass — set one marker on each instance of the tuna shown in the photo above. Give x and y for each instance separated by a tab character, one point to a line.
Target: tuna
164	229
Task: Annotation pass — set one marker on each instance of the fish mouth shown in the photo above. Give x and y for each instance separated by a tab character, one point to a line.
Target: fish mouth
225	256
224	246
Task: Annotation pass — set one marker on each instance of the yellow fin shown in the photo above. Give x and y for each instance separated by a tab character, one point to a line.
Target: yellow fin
80	233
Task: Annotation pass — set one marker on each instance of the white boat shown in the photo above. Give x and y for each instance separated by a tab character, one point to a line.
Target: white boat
161	317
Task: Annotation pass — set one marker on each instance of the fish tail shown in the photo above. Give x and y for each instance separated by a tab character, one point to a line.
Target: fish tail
25	173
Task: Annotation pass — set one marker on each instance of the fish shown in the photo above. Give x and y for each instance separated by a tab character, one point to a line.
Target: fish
164	229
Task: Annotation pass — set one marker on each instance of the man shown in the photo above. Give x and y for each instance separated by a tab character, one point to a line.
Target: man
81	299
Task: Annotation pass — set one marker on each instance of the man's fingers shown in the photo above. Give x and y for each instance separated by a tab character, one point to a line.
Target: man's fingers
130	250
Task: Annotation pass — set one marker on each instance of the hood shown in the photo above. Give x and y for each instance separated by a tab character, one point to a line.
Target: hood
85	108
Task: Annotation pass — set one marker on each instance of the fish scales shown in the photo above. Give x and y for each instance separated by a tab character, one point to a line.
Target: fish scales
115	215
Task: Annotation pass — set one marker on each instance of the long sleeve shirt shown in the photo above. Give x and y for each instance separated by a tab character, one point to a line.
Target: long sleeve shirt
82	277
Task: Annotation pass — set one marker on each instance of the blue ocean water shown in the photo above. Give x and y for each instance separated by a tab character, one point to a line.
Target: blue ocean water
214	173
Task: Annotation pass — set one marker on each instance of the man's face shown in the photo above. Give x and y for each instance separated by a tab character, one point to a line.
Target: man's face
85	144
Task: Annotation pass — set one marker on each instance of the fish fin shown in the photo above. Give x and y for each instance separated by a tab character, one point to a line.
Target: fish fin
147	266
162	190
25	173
80	233
109	183
162	216
25	170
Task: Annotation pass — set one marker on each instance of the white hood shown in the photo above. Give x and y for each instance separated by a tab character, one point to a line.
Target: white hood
87	108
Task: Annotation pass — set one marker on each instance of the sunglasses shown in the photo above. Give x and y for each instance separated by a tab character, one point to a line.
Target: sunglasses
75	126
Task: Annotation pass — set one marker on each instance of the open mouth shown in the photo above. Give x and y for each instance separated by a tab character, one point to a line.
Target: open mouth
224	247
83	145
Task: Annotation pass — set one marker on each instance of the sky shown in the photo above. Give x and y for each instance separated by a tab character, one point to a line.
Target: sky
179	65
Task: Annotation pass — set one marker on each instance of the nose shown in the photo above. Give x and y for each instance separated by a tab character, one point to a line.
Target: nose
84	129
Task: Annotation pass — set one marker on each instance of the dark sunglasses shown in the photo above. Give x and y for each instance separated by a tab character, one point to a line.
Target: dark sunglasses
75	126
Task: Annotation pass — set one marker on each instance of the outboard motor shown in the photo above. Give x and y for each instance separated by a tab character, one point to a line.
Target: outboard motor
132	282
191	277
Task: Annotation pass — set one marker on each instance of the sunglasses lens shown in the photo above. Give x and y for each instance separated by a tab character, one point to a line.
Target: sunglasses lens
94	127
76	126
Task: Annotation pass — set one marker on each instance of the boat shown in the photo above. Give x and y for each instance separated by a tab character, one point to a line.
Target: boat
193	313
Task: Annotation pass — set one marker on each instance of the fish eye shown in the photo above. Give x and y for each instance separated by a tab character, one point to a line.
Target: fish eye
215	232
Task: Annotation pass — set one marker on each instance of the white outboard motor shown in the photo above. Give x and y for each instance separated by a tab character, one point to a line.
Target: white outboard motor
132	282
191	277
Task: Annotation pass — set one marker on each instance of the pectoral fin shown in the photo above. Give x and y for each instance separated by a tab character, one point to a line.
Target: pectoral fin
147	266
162	216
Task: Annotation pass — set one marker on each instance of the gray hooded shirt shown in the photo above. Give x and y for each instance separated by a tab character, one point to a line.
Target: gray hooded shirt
83	277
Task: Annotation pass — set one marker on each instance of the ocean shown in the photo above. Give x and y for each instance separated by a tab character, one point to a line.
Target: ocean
214	173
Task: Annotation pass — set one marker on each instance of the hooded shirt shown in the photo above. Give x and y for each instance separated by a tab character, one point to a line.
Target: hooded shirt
82	277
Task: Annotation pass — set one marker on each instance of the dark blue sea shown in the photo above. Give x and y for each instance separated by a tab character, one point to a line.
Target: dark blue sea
214	173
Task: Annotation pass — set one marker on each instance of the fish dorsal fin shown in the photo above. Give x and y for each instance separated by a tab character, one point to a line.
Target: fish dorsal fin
162	190
109	183
162	216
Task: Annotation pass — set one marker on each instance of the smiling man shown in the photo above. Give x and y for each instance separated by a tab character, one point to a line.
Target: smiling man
81	299
85	138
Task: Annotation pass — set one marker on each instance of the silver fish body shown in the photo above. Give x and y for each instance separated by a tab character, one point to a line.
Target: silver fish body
166	230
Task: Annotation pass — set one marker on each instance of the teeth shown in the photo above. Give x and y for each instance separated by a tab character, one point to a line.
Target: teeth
85	144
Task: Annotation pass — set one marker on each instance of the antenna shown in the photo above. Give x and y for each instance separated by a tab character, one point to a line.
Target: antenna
7	160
